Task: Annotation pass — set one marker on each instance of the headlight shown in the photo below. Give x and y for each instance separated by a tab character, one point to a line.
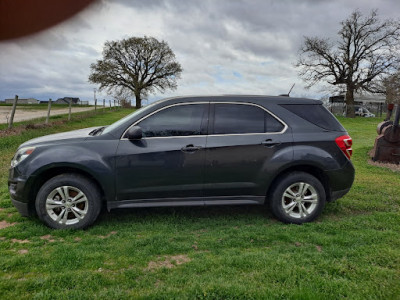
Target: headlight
21	155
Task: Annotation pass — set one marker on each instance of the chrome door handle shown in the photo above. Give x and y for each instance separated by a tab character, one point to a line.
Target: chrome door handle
270	143
190	148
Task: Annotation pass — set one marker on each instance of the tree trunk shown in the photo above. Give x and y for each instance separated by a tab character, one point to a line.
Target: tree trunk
350	102
138	100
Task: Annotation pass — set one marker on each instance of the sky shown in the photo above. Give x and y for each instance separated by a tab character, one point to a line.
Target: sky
224	46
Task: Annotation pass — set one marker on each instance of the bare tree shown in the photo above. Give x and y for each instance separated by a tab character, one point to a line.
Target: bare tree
124	97
366	51
139	65
392	86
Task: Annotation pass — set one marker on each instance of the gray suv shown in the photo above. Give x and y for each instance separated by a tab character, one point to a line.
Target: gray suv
289	153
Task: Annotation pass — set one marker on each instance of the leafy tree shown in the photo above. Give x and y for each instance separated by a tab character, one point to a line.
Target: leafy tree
138	65
366	52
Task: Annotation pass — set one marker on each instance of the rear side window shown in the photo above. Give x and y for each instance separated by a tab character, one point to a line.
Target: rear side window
316	114
243	118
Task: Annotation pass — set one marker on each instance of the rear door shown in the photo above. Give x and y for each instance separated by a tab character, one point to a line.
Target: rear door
243	139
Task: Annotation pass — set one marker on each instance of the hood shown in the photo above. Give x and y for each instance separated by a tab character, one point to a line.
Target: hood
60	137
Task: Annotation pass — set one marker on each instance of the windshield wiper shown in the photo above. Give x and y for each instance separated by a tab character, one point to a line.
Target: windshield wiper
97	131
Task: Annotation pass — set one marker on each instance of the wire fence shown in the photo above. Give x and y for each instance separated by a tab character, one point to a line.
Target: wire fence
24	112
362	110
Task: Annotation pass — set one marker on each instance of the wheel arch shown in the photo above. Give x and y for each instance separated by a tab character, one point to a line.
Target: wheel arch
44	175
306	168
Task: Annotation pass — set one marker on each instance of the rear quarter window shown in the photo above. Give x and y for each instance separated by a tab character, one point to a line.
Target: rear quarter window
316	114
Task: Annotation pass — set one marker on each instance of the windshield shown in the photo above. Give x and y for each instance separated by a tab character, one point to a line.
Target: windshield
124	119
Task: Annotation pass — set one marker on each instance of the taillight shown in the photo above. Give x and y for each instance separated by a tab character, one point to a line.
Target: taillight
344	142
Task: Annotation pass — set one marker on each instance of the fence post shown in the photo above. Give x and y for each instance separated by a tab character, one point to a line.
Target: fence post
69	114
109	101
104	104
48	111
13	112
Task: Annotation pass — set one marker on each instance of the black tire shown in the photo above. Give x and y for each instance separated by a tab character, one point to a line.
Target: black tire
297	198
68	201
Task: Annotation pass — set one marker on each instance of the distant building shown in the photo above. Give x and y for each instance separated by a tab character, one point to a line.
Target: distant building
67	100
360	99
23	101
375	103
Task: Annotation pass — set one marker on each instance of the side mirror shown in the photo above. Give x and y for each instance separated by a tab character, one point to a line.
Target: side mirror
134	133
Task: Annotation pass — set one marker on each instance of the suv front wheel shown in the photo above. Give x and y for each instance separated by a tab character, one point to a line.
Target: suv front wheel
68	201
297	198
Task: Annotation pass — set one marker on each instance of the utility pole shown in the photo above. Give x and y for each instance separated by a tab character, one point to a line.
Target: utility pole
69	113
95	100
48	111
13	112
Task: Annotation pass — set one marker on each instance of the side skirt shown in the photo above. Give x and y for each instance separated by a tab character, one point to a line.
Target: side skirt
190	201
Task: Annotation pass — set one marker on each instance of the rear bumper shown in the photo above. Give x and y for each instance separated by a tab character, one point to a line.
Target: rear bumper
338	194
341	180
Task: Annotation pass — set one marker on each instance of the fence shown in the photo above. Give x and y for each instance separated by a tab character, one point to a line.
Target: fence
36	111
378	109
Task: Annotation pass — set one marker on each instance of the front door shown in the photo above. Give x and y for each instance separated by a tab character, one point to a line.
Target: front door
167	164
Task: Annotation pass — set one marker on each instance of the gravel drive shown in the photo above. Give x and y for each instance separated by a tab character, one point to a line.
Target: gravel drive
23	115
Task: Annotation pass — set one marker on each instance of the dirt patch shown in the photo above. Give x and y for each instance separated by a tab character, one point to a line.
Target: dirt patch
108	235
13	131
48	238
23	251
2	209
319	248
5	224
20	241
77	239
393	167
169	262
22	128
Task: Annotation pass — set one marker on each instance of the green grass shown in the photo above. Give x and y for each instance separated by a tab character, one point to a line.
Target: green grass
351	251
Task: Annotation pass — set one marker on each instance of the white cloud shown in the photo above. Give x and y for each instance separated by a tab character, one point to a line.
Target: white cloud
224	46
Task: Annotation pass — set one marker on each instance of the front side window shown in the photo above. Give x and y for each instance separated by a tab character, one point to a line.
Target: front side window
242	118
180	120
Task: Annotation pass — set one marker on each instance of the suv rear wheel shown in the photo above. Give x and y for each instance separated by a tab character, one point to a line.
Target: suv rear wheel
68	201
297	198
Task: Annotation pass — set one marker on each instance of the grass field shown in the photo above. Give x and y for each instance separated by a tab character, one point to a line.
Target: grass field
351	251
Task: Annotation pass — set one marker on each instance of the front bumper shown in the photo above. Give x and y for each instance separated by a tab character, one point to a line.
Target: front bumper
19	187
23	208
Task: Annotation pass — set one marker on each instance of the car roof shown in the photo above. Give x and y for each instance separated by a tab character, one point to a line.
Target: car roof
270	102
259	99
